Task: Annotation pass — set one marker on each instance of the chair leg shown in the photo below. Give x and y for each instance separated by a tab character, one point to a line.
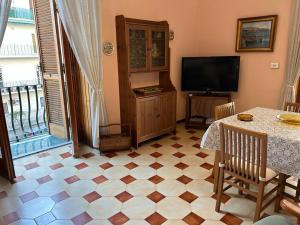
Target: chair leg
297	197
241	183
280	191
259	201
216	171
220	189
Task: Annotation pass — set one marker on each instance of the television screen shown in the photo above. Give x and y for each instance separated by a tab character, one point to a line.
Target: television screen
219	74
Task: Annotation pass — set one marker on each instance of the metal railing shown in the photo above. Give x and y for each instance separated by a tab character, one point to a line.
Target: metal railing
16	50
24	111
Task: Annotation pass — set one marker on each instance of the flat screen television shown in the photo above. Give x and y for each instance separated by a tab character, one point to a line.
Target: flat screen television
210	74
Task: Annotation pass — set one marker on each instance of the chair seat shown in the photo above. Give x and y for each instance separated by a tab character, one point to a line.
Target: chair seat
274	220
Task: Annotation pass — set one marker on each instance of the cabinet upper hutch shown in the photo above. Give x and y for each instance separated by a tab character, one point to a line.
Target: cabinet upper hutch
143	47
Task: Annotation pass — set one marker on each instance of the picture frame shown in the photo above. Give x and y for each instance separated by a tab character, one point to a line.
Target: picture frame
256	34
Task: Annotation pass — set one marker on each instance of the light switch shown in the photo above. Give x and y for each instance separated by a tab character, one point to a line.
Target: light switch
274	65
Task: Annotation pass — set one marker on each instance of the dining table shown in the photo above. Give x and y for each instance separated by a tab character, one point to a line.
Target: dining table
283	151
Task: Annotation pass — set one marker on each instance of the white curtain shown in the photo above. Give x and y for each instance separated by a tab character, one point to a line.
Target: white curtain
292	73
81	20
4	11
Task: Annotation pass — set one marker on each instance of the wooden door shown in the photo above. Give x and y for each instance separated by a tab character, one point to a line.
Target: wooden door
138	50
159	38
167	111
147	114
51	67
6	161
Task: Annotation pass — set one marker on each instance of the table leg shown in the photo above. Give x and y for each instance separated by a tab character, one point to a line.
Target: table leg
216	171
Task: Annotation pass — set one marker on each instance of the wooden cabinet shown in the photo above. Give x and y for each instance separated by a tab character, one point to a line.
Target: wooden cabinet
155	115
148	47
143	46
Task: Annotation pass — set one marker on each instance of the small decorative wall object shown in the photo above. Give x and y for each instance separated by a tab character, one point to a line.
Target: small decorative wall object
108	48
171	35
256	34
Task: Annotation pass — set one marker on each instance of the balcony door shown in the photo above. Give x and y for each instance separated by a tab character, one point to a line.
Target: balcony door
51	67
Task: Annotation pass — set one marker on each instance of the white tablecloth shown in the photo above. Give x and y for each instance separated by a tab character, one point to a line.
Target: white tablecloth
283	139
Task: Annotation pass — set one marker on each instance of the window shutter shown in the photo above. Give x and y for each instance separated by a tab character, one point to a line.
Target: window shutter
50	65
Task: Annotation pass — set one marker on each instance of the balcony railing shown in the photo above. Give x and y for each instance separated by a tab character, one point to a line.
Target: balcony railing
20	15
14	50
24	111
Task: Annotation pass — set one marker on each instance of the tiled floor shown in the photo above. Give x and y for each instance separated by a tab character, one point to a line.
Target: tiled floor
164	182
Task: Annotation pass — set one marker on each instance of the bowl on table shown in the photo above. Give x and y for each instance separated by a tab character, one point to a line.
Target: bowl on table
289	118
245	117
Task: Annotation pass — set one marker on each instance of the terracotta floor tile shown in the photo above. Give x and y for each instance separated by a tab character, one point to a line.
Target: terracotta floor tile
133	154
179	154
106	166
202	155
82	219
184	179
175	138
43	154
3	194
128	179
194	138
100	179
230	219
188	197
207	166
31	166
93	196
156	165
124	196
177	145
156	145
210	179
60	196
56	166
81	166
193	219
110	154
88	155
19	179
181	166
196	145
156	196
156	219
44	179
11	217
72	179
66	155
131	165
225	198
118	219
156	154
29	196
156	179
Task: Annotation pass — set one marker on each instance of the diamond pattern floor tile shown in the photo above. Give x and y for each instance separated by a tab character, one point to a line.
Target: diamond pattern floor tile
166	181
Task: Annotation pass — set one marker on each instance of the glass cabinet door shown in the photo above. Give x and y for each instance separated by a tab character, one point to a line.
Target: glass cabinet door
159	49
137	36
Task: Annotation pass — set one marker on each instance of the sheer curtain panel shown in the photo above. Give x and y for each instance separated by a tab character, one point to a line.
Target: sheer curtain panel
4	11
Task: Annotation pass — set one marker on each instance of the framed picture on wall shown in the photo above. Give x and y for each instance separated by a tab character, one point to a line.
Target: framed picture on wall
256	34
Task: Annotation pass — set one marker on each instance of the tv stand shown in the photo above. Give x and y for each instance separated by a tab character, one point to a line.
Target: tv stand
200	108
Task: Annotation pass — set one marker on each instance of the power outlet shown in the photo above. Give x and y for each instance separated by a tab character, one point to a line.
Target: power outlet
274	65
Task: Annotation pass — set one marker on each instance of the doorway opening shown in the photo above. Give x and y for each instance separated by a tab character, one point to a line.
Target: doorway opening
22	86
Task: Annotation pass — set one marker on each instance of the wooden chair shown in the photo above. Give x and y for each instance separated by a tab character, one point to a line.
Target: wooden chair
243	157
290	208
226	110
292	107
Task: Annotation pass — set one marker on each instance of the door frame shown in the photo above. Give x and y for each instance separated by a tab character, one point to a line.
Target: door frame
6	162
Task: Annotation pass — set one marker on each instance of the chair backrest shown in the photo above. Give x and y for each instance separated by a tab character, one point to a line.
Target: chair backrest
243	152
222	111
292	107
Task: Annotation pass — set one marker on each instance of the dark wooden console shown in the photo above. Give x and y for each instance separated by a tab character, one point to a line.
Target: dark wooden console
200	108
